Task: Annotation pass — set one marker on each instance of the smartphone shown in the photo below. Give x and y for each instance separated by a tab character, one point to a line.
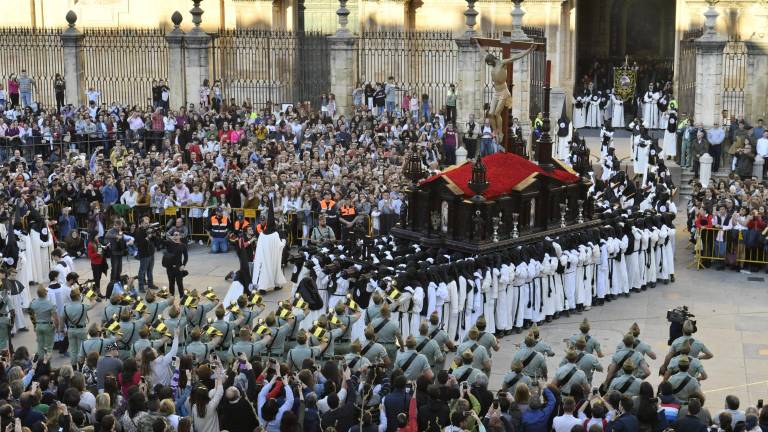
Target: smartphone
409	388
594	391
215	357
759	404
496	404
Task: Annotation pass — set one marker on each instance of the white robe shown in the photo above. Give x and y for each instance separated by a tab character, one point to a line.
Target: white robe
617	120
570	278
267	268
603	269
415	312
453	310
594	119
519	294
633	260
640	158
670	139
651	110
580	114
489	300
549	290
236	289
41	255
502	303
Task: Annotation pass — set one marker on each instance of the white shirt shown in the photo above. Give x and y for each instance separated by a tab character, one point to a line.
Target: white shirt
762	147
565	423
161	366
92	95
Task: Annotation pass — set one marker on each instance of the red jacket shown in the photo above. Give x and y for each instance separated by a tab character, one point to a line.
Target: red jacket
93	254
705	221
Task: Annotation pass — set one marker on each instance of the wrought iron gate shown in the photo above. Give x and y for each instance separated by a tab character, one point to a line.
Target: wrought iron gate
734	77
420	62
122	63
37	51
537	71
686	73
275	66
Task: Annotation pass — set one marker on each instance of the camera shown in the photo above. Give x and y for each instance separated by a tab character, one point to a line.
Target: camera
153	228
677	317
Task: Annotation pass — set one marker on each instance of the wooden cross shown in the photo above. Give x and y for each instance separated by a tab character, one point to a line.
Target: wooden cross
507	45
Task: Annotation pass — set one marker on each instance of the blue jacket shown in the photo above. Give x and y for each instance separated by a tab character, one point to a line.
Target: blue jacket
109	195
66	224
395	403
625	423
536	420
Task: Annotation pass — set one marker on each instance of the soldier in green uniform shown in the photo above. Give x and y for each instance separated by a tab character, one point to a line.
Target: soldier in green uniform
411	362
354	360
332	334
622	355
348	318
569	375
593	346
227	330
44	316
200	350
481	359
196	315
640	346
155	307
627	384
245	345
95	343
279	332
373	310
534	364
684	386
6	324
374	351
302	351
695	369
129	327
175	321
439	335
465	372
144	342
299	313
484	338
429	347
247	314
113	308
584	360
75	319
541	346
698	349
387	331
515	377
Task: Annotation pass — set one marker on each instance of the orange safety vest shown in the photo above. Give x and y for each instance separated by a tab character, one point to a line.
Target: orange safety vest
347	210
219	227
327	205
245	225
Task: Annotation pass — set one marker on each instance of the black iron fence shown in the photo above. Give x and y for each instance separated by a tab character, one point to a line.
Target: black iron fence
39	52
686	72
734	77
258	66
122	63
421	62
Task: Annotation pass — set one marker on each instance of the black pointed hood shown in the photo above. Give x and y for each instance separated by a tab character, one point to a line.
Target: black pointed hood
563	123
271	224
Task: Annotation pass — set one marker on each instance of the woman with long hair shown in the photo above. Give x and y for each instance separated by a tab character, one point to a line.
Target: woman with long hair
651	418
203	406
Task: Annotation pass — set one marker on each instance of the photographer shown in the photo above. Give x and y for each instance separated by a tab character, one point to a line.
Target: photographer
144	237
116	242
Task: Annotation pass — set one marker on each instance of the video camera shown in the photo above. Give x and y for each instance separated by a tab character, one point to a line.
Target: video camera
677	317
153	228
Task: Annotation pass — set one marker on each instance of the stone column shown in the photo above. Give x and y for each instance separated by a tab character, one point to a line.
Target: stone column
196	55
74	62
755	103
470	77
344	74
521	79
709	71
705	169
175	39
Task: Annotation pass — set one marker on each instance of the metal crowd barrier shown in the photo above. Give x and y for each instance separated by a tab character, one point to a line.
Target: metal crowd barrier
730	247
196	225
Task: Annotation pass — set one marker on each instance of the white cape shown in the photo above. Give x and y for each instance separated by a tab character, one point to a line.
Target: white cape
235	291
267	269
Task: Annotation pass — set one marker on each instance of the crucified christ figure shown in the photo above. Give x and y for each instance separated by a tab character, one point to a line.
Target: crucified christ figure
501	96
